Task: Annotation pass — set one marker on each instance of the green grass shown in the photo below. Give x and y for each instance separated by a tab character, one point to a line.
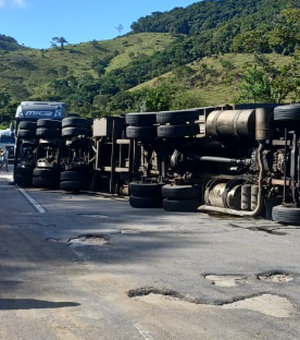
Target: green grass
134	45
32	70
216	79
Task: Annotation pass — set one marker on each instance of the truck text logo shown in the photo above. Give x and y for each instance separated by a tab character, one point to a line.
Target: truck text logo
39	113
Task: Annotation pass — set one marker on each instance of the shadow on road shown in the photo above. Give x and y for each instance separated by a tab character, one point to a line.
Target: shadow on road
8	304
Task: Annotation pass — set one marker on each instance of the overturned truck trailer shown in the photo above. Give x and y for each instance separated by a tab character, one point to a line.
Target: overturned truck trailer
239	160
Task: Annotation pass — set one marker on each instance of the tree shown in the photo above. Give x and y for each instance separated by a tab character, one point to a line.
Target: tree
61	87
255	87
119	28
266	83
61	41
285	37
157	98
255	41
6	113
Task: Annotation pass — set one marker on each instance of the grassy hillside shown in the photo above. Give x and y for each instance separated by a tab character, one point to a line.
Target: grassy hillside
134	45
26	73
214	80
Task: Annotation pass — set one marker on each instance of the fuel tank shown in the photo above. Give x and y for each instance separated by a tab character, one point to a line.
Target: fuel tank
231	125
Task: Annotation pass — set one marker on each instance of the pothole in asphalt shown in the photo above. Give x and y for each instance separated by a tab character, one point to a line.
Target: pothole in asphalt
129	231
89	239
268	304
161	299
53	239
275	277
272	305
146	291
226	280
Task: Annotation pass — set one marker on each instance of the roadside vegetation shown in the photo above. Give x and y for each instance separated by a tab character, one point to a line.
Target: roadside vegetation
209	53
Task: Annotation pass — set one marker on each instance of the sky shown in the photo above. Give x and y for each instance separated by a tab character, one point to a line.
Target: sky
33	23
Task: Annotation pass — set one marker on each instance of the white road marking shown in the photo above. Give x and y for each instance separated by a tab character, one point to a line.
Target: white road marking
144	333
37	206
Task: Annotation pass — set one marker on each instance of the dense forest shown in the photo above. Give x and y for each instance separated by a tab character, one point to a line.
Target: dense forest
100	78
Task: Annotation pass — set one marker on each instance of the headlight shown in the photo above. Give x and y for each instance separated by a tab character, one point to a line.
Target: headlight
57	113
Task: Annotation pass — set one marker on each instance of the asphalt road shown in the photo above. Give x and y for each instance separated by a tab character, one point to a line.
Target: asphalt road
89	266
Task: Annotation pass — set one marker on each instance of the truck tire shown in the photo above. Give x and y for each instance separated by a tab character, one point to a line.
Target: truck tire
287	113
177	131
141	119
177	117
141	132
74	176
180	192
74	185
185	205
23	180
286	215
24	171
27	125
41	182
75	131
48	123
145	202
25	133
76	122
42	132
141	189
46	173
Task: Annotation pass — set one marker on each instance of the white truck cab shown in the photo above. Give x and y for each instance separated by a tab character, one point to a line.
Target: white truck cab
7	139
